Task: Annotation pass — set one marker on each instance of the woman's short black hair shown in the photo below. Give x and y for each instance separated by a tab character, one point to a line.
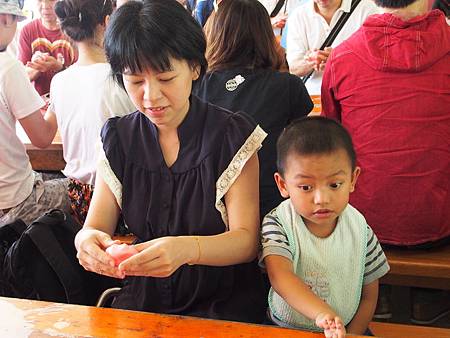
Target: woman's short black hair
394	3
146	35
80	18
313	135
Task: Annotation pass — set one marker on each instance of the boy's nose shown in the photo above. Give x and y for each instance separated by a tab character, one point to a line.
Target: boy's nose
321	197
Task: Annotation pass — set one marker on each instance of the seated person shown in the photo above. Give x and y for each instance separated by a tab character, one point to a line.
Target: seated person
84	96
310	25
322	258
23	193
398	115
184	174
251	82
43	47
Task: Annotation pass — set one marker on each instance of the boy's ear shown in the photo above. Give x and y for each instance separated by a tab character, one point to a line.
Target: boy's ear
355	176
281	184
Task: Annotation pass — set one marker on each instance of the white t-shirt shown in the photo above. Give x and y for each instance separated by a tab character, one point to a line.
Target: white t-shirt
83	98
308	30
18	99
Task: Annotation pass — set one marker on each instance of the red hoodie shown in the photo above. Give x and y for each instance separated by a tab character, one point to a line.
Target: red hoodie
389	85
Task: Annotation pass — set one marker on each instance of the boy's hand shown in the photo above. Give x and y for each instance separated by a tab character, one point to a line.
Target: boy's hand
318	58
331	324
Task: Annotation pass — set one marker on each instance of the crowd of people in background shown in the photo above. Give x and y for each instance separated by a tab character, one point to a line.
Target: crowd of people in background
188	121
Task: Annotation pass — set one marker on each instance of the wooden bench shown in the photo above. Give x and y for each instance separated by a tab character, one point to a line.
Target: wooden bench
419	268
390	330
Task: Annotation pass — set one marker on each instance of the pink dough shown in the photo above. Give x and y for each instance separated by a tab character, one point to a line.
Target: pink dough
120	252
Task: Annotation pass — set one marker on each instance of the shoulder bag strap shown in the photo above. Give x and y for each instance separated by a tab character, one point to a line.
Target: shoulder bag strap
334	32
277	8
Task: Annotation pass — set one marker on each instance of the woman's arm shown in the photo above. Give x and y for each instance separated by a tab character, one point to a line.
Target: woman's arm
366	309
95	236
238	245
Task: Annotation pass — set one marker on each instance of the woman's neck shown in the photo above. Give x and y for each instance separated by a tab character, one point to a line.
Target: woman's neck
90	53
417	8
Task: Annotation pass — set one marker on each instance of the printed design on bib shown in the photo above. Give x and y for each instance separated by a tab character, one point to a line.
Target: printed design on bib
233	83
318	283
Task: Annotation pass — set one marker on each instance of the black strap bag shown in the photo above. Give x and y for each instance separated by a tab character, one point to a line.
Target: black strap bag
42	264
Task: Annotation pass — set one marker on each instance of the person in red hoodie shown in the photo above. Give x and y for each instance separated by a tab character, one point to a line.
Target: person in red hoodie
389	85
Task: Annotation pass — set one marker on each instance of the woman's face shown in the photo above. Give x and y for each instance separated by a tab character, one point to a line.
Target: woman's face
162	96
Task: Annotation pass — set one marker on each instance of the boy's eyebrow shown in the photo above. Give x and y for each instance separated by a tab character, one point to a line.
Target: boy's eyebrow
339	172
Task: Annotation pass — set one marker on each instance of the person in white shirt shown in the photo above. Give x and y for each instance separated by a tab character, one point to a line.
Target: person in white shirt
84	96
23	193
310	25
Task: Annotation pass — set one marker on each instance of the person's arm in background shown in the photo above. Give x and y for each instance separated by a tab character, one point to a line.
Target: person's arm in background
41	130
25	53
297	46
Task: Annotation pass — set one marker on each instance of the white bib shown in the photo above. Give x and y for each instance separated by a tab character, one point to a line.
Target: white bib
332	267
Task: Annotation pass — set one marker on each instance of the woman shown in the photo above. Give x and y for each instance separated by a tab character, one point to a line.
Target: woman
183	173
84	96
243	75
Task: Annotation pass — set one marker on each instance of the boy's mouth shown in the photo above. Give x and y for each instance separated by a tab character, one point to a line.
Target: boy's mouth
323	213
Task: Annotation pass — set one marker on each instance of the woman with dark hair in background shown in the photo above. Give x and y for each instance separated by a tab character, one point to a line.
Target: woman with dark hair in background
84	96
184	174
243	75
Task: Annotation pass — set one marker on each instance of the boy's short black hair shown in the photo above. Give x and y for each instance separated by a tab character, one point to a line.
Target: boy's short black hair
313	136
143	35
394	3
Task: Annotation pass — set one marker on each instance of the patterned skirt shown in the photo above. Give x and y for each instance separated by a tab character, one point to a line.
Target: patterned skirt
80	195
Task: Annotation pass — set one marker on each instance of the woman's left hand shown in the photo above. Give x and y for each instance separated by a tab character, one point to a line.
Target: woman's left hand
160	257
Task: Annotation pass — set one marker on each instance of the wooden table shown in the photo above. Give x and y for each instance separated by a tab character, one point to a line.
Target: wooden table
48	159
21	318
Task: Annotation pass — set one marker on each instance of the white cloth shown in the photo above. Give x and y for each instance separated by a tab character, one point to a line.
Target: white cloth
18	99
83	98
308	30
333	267
288	7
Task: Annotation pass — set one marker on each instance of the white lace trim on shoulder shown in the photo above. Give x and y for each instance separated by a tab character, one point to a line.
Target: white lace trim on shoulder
107	174
232	172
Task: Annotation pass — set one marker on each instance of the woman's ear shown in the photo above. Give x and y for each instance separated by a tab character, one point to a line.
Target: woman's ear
355	176
195	72
281	184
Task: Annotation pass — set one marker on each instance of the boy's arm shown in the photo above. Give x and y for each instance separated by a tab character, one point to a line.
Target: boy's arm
366	309
293	290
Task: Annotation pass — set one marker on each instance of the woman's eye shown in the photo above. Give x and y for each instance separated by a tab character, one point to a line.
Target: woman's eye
335	185
167	79
305	187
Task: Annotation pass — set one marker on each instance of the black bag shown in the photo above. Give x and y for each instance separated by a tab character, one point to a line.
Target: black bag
42	264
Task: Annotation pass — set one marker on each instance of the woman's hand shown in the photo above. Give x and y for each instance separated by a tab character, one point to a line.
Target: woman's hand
91	245
161	257
331	324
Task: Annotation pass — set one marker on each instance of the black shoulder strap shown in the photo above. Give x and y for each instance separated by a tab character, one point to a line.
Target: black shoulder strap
277	8
334	32
47	243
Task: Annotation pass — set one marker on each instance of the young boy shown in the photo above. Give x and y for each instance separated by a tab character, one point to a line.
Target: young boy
23	194
322	258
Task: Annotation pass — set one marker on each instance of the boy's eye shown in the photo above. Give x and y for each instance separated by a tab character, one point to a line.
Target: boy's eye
335	185
305	187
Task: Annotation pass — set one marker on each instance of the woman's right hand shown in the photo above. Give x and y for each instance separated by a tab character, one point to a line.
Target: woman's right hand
91	245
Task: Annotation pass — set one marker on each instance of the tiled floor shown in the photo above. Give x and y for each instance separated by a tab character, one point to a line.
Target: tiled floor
401	308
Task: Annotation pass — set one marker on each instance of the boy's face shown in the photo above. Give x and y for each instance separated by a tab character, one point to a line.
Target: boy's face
319	187
8	25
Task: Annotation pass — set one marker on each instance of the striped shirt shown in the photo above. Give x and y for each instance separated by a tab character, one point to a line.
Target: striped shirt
275	242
